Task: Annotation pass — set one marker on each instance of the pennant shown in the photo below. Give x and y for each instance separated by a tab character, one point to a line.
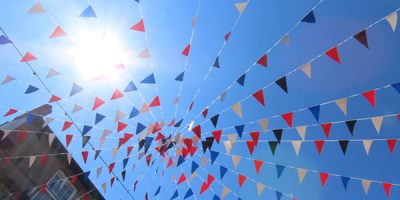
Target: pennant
296	146
392	20
239	129
180	77
145	108
222	96
31	160
76	108
225	191
309	18
51	138
7	79
121	126
130	87
241	80
367	145
52	72
217	135
54	98
86	129
197	131
391	144
282	84
155	102
334	54
327	129
240	7
214	120
237	108
4	40
302	131
144	54
236	161
58	32
343	145
278	195
84	156
263	123
370	96
279	170
214	156
69	158
272	146
216	63
366	184
301	174
319	144
194	22
47	121
68	139
323	177
222	171
85	140
226	37
315	111
278	134
88	12
342	104
149	79
285	40
99	118
396	86
260	188
250	145
97	154
205	112
186	51
139	26
228	146
255	135
28	57
43	160
104	187
259	95
158	191
350	125
306	69
111	167
345	181
241	180
377	122
181	178
175	195
10	112
263	61
36	9
387	187
31	89
188	194
258	164
362	38
97	103
117	94
288	117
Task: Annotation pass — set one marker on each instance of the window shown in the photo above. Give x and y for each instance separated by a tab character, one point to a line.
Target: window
58	188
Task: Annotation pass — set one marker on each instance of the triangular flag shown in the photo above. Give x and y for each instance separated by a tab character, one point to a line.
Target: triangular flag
235	160
391	144
180	77
121	126
319	144
31	89
315	111
285	40
54	98
387	187
58	32
52	72
4	40
117	94
225	191
145	53
130	87
392	20
263	123
323	177
214	156
139	26
68	139
272	146
51	138
222	96
155	102
84	156
377	121
88	12
296	146
263	61
366	184
77	108
309	18
10	112
186	51
237	108
345	181
240	7
370	96
28	57
226	37
307	69
334	54
327	129
278	134
228	146
258	164
288	117
302	131
216	63
222	171
31	160
362	38
279	170
7	79
97	103
99	118
241	179
144	108
214	120
36	9
343	145
188	194
259	95
149	79
260	188
367	145
282	84
181	178
342	104
396	86
350	125
301	173
241	79
250	145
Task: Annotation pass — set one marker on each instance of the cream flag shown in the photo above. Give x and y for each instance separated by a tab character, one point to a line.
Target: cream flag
302	131
232	138
52	72
114	152
307	69
260	188
237	108
285	40
263	124
301	173
377	121
31	160
192	176
144	54
144	108
235	160
342	104
297	146
240	7
69	158
366	184
37	8
367	145
7	79
47	121
225	192
392	19
51	138
119	115
98	171
77	108
6	133
228	146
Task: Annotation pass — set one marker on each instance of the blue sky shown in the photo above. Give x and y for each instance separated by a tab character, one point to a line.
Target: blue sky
168	31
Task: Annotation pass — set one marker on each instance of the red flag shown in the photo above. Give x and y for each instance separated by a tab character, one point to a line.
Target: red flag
58	32
43	189
121	126
43	159
54	98
117	94
387	187
66	125
258	164
191	106
129	150
241	179
255	135
227	36
148	159
139	26
84	156
210	179
112	181
73	179
21	136
250	145
203	188
97	103
197	131
370	96
263	61
10	112
28	57
327	128
68	139
193	150
391	144
334	54
205	112
172	122
217	135
155	102
323	177
259	95
169	162
288	117
111	167
186	51
181	178
319	144
160	136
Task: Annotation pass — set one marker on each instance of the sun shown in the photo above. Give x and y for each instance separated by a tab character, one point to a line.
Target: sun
99	55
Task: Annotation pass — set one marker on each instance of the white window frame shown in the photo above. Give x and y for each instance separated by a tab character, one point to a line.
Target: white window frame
64	178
